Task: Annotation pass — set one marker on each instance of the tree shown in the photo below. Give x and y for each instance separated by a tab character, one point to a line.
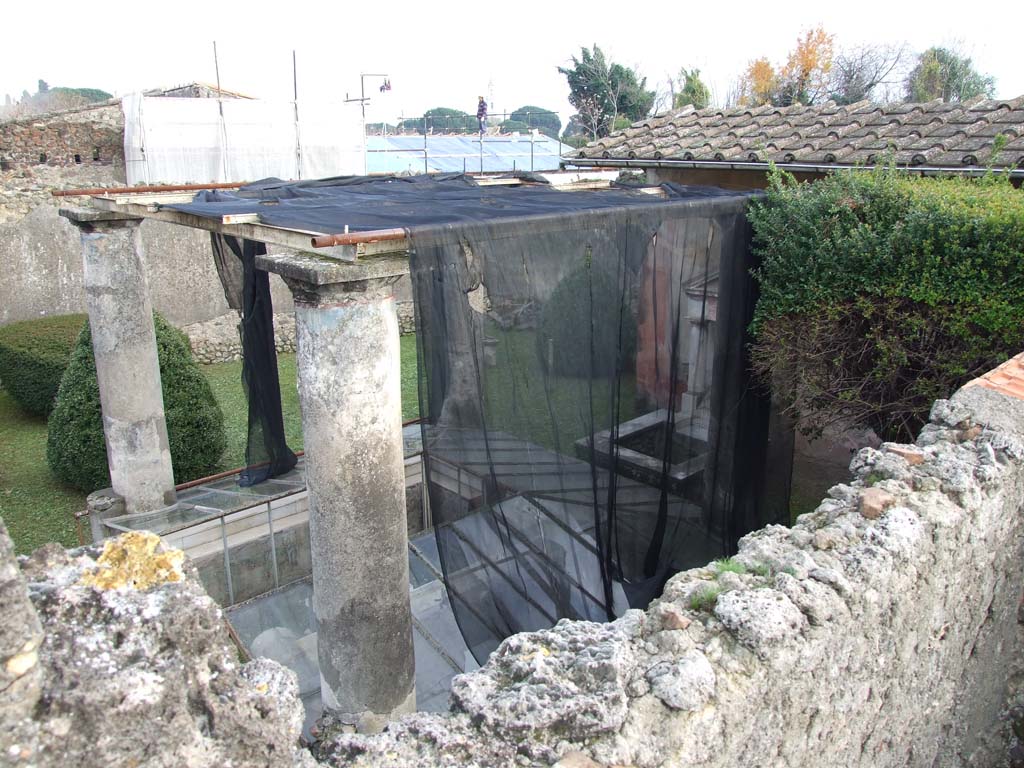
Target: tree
42	86
758	85
603	92
804	78
864	72
691	90
546	121
943	73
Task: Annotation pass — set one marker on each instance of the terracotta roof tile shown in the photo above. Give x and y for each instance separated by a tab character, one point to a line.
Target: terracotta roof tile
932	133
1008	378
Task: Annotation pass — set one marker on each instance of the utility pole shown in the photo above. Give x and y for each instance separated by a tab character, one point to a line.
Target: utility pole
362	106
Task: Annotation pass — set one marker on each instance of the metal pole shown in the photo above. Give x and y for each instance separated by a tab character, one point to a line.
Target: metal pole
220	108
295	103
362	107
425	154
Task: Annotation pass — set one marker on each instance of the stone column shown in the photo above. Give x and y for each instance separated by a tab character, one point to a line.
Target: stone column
127	368
349	392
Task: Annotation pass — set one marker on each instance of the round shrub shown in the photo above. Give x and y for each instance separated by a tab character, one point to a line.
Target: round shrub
587	298
33	356
75	447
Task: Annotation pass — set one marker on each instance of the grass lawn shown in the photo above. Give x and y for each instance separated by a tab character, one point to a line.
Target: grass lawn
37	509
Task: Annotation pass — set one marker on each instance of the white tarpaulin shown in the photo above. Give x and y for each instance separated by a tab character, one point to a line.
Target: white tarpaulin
196	141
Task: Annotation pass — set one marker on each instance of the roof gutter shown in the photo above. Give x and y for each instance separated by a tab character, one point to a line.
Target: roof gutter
724	165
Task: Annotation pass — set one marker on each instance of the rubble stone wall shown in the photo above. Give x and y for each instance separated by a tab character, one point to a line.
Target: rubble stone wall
881	630
93	136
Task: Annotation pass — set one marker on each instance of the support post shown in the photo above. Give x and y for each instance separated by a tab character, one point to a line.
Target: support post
350	396
127	367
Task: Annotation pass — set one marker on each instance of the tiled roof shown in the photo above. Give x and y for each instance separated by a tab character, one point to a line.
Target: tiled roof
932	134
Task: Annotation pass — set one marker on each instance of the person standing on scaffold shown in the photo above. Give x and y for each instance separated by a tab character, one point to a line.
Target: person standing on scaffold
481	113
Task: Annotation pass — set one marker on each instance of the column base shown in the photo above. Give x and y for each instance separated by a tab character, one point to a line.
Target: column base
336	721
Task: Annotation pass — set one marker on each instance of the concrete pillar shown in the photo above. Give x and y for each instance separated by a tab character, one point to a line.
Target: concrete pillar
349	392
127	368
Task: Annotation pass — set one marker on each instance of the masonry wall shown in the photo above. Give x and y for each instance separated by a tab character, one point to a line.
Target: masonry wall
881	630
92	136
42	257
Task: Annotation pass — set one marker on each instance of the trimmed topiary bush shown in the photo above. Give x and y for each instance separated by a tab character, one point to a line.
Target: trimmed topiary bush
33	356
75	447
582	297
881	292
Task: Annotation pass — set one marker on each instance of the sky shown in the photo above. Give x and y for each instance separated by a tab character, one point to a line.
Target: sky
448	53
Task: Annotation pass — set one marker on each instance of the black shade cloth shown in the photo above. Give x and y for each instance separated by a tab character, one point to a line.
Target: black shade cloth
266	452
366	203
590	423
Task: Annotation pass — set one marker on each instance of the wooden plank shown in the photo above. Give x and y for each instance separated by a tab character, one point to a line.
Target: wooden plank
240	218
287	238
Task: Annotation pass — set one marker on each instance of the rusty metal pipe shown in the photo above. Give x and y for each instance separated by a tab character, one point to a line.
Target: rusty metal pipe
354	238
149	188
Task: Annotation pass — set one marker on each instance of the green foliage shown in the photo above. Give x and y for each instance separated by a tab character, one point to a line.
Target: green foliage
941	73
881	292
728	565
33	356
694	91
704	599
601	92
76	451
546	121
587	304
88	95
441	120
761	569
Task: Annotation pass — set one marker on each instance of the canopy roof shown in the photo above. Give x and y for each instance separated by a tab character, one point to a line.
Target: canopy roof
366	203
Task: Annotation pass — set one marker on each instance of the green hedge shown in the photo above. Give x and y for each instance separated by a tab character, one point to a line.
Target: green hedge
75	449
587	296
881	292
33	356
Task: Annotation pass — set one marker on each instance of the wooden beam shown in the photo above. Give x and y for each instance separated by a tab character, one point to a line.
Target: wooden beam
240	218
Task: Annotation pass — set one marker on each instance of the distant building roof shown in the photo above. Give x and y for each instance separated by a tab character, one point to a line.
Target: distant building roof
197	91
934	134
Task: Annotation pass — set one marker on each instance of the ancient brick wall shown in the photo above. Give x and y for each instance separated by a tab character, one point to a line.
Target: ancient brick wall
82	137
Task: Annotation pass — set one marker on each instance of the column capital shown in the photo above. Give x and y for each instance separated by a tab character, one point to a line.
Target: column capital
317	281
91	219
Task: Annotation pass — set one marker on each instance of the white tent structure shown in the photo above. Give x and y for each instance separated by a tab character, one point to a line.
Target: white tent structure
195	141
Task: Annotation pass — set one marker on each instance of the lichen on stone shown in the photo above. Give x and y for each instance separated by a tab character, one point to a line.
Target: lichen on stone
135	560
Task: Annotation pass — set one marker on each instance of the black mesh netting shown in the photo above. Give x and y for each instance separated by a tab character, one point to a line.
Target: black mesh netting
266	452
590	426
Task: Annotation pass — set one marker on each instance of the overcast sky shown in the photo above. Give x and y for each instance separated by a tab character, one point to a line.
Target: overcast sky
448	53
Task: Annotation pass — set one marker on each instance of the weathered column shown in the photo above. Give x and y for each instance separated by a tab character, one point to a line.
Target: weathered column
349	392
127	368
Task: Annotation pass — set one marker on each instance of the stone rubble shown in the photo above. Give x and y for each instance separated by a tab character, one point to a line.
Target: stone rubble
127	676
